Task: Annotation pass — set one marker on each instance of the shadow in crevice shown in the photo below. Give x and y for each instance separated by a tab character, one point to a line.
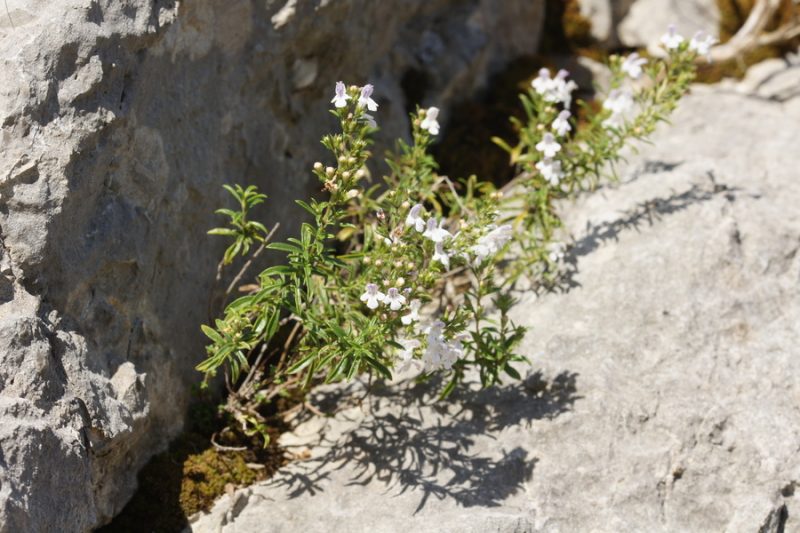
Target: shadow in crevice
646	213
406	443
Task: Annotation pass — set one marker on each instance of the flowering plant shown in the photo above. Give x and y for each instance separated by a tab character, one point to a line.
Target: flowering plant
412	275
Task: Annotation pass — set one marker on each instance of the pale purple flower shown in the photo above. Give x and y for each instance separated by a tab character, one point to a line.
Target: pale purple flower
429	123
632	66
620	103
555	252
561	124
414	220
672	39
370	120
562	89
548	145
439	352
440	255
543	82
413	313
550	170
365	99
702	45
394	299
372	296
341	98
491	243
409	345
435	232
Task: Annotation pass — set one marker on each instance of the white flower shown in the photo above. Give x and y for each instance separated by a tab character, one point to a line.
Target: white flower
414	220
409	345
555	252
439	353
372	296
561	124
543	82
562	89
550	170
492	242
370	120
394	299
672	39
413	314
702	45
548	145
556	89
432	357
439	254
429	123
620	103
365	99
341	98
436	232
632	66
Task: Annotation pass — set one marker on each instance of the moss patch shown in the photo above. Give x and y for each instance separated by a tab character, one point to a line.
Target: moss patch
192	474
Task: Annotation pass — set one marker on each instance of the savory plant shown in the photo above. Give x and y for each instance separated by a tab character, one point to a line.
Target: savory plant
412	275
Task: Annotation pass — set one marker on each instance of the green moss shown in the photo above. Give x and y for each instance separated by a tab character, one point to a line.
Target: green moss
192	474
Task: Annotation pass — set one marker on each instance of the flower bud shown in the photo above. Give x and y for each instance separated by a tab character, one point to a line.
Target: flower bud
406	204
352	193
387	283
361	173
342	159
351	160
346	174
384	317
330	171
317	166
410	265
378	262
394	248
398	264
367	260
400	282
540	127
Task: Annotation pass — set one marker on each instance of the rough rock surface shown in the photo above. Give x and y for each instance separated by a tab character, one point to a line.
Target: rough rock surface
664	392
646	20
605	16
119	120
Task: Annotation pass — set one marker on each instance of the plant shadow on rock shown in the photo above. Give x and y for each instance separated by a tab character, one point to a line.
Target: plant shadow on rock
647	213
405	443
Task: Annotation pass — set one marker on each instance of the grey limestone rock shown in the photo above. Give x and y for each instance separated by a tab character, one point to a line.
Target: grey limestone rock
119	121
664	390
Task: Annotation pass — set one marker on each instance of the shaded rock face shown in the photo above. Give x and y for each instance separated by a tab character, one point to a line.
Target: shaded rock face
120	121
663	392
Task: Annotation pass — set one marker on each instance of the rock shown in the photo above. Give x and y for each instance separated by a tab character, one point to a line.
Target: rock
119	122
604	17
647	20
663	391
